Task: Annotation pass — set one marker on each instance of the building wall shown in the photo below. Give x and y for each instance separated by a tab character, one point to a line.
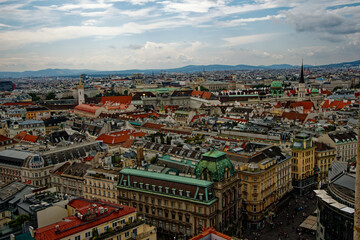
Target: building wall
324	160
303	163
258	193
100	188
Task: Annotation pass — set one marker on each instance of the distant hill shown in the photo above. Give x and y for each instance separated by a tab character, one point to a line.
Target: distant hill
186	69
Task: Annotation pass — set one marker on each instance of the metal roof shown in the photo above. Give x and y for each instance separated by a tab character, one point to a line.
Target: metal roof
166	177
15	154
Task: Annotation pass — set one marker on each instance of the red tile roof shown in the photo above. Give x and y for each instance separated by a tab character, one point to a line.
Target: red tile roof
210	231
306	105
20	136
73	224
202	94
4	138
87	108
294	116
119	137
30	138
154	126
117	99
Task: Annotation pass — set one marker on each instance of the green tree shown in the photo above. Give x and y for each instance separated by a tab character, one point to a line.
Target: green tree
337	88
34	97
202	88
50	95
19	220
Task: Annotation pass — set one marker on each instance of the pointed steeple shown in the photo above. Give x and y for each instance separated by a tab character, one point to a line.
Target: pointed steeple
80	86
302	73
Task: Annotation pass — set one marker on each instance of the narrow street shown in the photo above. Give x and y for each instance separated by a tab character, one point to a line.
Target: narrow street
285	224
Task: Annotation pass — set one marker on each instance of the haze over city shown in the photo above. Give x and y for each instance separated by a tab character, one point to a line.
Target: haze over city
126	34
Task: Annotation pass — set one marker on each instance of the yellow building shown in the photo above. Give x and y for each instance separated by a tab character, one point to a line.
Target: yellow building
37	113
97	220
265	178
101	184
324	157
303	163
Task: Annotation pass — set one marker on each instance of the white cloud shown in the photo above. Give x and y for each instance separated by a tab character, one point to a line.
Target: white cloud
241	40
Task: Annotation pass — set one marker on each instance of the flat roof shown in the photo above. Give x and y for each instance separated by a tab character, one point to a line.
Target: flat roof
166	177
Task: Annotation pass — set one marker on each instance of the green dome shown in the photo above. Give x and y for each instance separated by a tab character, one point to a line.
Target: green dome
214	166
276	84
314	90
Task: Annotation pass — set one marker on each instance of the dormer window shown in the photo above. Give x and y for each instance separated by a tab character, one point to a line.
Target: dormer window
160	188
154	187
173	191
147	186
201	196
135	184
180	192
141	185
188	194
166	189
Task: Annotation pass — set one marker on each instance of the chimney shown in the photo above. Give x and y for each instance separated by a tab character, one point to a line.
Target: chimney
32	232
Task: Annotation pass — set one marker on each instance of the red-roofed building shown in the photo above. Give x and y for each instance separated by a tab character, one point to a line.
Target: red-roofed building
294	116
88	110
87	219
302	107
120	137
211	233
19	104
30	138
5	141
115	104
152	127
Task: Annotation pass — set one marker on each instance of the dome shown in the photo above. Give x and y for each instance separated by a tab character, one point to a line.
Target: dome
276	84
214	166
314	90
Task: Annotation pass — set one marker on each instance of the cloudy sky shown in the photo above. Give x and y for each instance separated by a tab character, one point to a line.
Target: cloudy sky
142	34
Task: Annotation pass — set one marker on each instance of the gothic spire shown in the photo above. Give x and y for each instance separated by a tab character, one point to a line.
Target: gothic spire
302	73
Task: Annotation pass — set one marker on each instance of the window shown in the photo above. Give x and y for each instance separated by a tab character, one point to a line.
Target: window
114	224
77	237
159	202
87	234
254	208
127	234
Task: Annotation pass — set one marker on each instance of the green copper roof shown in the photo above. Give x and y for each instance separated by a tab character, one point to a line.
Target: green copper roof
214	153
276	84
314	90
213	164
166	177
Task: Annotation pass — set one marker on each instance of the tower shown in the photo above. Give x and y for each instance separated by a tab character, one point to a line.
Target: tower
301	86
81	97
357	189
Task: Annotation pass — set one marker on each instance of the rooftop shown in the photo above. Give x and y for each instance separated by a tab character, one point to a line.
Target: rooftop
166	177
74	224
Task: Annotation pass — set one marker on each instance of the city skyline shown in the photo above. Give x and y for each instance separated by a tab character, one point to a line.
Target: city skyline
143	34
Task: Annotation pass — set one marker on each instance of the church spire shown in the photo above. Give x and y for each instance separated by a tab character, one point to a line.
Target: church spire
80	86
302	72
